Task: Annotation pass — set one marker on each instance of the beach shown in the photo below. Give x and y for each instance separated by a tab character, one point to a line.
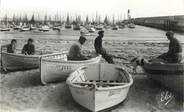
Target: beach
22	91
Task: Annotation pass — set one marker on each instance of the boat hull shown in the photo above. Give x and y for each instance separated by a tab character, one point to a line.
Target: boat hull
55	68
169	75
5	29
131	25
13	62
99	98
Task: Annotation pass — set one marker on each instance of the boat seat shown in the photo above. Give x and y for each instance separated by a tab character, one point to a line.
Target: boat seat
100	83
56	57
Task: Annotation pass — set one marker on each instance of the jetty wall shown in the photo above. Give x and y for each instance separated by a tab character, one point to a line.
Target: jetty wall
175	23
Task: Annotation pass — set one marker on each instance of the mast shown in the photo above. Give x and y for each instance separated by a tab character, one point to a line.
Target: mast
68	19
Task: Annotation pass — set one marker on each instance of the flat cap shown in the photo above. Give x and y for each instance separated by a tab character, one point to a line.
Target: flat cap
30	40
82	38
169	33
100	32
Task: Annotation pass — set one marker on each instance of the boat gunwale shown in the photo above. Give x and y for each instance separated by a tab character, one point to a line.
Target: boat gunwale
164	64
161	69
45	59
69	82
21	55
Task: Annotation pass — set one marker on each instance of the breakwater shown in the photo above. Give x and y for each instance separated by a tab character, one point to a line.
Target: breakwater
175	23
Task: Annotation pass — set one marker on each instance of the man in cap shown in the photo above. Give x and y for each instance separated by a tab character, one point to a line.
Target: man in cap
100	50
174	54
29	48
75	53
10	48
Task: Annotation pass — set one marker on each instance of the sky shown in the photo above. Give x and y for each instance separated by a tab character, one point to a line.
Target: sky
116	8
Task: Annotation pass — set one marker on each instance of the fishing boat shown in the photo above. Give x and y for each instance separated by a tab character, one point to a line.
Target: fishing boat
76	27
99	86
121	25
85	31
91	30
131	25
14	62
171	75
56	67
57	28
24	29
115	27
44	28
99	27
68	26
5	29
107	27
5	26
17	28
33	28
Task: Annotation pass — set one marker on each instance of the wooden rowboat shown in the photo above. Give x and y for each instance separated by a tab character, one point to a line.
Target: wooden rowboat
131	25
56	67
5	29
170	75
99	86
13	62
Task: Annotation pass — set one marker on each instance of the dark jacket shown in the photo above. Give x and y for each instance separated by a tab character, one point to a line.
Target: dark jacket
98	45
174	47
75	52
10	48
28	49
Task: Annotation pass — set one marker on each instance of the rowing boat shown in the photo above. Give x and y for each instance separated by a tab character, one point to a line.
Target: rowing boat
13	62
56	67
131	25
170	75
5	29
99	86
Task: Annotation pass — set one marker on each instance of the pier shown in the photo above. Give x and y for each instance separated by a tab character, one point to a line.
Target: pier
175	23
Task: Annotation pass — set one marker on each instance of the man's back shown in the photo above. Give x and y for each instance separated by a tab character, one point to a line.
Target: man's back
175	46
28	49
75	50
10	48
98	44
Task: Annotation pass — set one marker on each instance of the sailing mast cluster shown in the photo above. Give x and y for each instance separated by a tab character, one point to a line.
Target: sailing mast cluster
48	22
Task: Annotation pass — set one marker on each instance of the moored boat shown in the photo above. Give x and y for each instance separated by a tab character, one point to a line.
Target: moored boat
99	86
57	28
33	28
99	27
76	27
122	26
44	28
17	28
5	29
24	29
170	75
131	25
68	26
91	30
115	27
13	62
56	67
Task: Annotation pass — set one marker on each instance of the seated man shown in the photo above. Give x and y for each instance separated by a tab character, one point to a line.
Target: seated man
29	48
174	54
100	50
11	48
75	50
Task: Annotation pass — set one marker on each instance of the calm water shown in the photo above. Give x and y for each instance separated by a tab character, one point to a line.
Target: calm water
140	33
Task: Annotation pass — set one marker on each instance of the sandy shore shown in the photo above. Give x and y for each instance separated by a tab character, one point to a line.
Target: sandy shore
23	91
